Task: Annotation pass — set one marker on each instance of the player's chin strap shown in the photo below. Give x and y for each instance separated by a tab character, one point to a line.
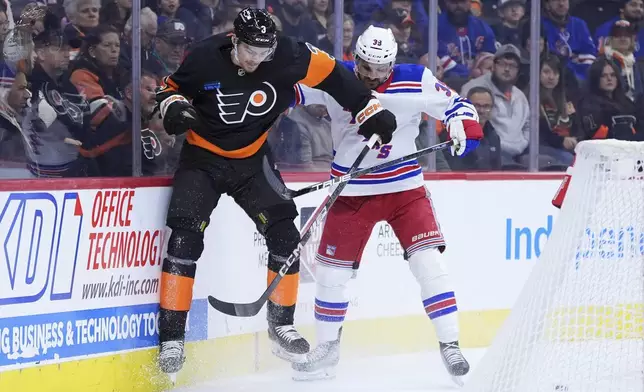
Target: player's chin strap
251	309
289	194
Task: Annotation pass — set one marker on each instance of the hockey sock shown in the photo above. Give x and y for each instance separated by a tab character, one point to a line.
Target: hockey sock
281	304
177	281
436	292
331	303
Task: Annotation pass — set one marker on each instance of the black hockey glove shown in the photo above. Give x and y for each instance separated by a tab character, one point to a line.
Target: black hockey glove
179	117
374	119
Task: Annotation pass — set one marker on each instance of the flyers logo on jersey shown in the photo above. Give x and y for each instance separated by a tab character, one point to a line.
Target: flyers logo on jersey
234	107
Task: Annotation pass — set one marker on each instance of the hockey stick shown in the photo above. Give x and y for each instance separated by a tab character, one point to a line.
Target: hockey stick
289	194
313	219
252	308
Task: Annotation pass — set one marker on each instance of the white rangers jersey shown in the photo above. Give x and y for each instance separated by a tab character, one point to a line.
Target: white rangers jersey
410	91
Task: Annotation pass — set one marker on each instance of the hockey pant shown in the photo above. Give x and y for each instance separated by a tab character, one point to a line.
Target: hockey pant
347	229
198	184
331	302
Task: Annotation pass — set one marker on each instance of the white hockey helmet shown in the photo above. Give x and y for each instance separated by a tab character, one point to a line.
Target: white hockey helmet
377	45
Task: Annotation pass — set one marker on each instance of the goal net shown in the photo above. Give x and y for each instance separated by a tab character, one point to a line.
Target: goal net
578	325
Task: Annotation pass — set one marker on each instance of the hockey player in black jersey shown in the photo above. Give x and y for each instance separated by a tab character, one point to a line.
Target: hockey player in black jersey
225	96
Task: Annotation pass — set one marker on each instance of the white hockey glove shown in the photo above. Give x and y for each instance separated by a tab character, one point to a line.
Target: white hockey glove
457	134
466	135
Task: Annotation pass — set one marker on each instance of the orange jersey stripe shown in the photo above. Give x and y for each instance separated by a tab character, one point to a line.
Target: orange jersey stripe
285	293
119	140
87	83
320	67
176	292
168	84
601	132
244	152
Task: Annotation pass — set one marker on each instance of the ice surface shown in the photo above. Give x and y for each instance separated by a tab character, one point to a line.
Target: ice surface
408	373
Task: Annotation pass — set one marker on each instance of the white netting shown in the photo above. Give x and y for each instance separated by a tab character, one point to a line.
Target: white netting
578	325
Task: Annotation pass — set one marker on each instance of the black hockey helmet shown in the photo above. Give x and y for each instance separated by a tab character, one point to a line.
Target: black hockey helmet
255	27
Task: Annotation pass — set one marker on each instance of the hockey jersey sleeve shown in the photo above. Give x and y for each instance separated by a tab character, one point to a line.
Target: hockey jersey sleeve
443	103
305	95
316	68
436	99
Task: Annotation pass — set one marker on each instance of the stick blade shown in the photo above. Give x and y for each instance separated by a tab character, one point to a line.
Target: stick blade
231	309
275	182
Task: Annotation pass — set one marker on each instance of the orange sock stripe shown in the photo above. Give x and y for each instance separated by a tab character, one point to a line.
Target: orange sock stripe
285	293
176	292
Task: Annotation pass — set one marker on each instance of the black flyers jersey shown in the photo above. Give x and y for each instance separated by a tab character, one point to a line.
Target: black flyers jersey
238	108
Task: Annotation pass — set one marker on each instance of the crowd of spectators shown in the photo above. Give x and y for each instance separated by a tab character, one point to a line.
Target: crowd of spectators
66	89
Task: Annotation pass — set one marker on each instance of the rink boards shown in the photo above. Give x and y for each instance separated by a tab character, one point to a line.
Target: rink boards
80	266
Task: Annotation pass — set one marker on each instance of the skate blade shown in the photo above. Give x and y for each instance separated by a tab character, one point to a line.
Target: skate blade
458	380
173	378
320	374
287	356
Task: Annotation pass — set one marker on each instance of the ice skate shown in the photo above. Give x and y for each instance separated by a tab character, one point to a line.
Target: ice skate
171	358
320	363
287	343
454	361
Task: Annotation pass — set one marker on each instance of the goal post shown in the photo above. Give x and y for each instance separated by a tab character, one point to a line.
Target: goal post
578	324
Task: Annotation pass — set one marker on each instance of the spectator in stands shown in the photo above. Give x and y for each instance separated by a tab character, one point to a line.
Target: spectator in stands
296	21
397	16
477	9
57	112
152	161
559	127
96	76
365	10
172	10
4	26
488	154
32	17
226	24
570	80
455	74
463	35
13	145
423	141
5	71
483	64
83	15
314	128
148	33
169	47
209	12
278	23
525	41
510	115
568	36
508	31
619	47
605	110
116	13
321	13
327	42
633	12
285	143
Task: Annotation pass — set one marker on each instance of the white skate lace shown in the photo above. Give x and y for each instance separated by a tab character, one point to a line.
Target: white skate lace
288	333
171	349
452	354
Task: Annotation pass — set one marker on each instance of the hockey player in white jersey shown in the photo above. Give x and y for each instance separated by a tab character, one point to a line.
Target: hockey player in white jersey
396	195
